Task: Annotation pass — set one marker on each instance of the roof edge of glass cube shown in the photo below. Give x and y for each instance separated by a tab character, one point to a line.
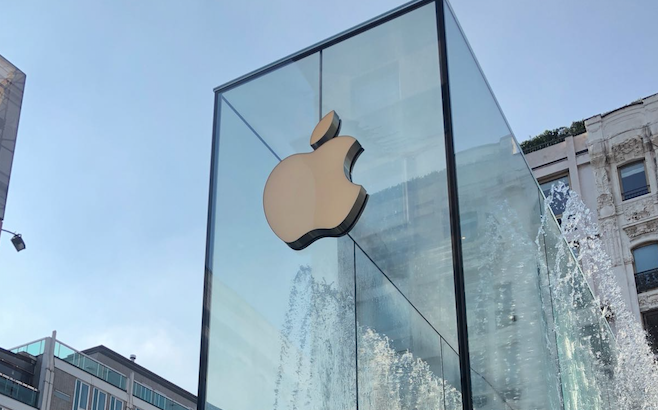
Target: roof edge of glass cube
382	18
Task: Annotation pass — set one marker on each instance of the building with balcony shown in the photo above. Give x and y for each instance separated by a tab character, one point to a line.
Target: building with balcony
612	166
49	375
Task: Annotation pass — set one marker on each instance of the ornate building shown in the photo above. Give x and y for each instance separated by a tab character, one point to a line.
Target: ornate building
613	168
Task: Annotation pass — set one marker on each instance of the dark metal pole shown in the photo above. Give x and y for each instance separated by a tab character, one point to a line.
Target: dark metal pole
207	277
453	203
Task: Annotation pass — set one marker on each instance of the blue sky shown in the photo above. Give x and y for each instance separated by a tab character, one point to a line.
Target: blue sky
110	178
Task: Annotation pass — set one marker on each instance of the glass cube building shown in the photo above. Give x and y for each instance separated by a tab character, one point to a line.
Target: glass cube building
440	296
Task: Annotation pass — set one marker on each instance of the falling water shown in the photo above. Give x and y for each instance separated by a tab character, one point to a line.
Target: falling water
626	374
319	363
318	359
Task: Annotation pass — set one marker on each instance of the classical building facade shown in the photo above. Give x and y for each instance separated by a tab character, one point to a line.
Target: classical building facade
612	166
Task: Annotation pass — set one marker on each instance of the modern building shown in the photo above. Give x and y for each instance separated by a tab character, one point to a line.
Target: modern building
449	291
612	166
49	375
12	84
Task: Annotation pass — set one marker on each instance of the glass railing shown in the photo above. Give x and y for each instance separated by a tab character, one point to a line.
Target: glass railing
646	280
18	391
35	348
158	400
90	365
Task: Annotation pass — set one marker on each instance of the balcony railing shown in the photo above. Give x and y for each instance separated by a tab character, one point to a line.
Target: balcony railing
646	280
77	359
633	193
18	391
90	365
35	348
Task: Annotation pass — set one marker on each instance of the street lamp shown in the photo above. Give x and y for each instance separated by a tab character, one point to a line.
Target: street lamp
17	240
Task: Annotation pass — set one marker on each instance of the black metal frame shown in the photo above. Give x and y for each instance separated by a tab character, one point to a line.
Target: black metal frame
207	276
455	220
453	198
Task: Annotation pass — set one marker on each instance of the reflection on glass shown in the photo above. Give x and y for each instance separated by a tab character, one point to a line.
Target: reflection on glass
507	323
282	325
400	361
282	107
369	318
646	258
385	84
584	339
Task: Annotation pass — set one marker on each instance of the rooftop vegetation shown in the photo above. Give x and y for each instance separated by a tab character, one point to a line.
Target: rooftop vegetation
552	137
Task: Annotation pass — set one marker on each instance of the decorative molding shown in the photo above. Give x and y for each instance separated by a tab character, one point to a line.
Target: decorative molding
611	239
629	149
638	210
648	300
640	229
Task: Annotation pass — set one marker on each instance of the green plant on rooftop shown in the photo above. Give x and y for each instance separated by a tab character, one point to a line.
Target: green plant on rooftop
552	137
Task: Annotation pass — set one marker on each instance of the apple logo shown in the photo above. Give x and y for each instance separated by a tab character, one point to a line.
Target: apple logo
311	196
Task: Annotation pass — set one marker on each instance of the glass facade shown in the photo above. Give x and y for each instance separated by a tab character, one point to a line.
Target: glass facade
370	320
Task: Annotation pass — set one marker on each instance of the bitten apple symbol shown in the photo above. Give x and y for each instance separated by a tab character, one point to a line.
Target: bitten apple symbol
311	196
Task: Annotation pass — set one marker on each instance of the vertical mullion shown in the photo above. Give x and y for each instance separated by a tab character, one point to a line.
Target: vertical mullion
207	276
453	204
356	327
320	89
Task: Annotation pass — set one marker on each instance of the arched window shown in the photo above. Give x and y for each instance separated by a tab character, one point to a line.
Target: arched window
646	267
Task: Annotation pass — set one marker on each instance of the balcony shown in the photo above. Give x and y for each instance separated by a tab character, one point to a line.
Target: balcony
634	193
90	365
18	391
647	280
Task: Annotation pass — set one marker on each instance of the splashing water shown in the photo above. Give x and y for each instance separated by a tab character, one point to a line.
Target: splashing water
628	376
318	359
319	364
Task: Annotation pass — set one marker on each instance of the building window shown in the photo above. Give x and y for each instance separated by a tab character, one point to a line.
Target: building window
645	259
115	404
81	400
633	180
559	203
99	401
651	326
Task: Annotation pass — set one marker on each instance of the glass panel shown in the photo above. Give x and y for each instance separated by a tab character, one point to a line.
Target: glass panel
18	391
633	180
77	395
400	362
282	323
584	338
282	107
282	329
84	396
95	400
35	348
646	258
509	334
90	365
385	85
